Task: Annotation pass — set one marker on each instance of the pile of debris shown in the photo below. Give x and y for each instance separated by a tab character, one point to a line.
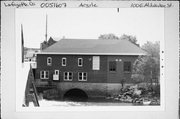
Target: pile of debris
135	95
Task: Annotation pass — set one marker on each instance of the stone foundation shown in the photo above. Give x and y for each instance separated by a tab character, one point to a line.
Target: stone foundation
93	90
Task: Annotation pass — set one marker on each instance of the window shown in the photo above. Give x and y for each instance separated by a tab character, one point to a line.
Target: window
49	61
63	61
44	74
82	76
127	66
96	63
68	76
112	66
80	62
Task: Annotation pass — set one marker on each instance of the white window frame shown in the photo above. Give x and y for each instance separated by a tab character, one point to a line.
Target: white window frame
63	62
44	73
81	62
83	76
67	76
96	63
49	63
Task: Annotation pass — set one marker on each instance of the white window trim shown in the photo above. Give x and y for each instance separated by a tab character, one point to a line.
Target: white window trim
65	61
49	64
81	62
67	76
82	76
96	63
44	72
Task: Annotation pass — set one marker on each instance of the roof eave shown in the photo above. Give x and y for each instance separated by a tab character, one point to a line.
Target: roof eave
57	53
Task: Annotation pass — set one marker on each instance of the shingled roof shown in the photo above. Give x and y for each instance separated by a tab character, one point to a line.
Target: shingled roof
94	46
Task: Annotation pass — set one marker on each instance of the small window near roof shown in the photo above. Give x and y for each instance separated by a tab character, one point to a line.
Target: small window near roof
64	61
112	66
49	61
80	62
127	66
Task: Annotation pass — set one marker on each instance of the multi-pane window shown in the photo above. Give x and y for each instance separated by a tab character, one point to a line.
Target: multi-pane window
64	61
82	76
80	62
44	74
112	66
49	61
127	66
68	76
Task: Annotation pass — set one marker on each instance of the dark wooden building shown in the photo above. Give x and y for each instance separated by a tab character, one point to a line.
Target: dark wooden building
95	67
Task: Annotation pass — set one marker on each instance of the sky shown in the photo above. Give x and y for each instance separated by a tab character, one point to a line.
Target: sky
147	24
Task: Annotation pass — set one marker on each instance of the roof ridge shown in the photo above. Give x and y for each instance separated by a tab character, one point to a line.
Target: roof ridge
87	39
77	39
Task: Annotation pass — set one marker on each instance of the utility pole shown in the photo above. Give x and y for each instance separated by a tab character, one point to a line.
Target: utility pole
46	28
22	43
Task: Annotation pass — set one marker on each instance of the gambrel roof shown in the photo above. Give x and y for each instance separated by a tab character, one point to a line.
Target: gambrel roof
94	46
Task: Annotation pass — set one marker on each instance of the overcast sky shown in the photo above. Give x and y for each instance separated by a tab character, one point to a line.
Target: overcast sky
147	24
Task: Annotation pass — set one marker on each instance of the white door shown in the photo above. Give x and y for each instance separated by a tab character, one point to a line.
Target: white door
56	75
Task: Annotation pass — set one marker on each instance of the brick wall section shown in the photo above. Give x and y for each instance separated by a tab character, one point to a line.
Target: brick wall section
94	76
116	77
